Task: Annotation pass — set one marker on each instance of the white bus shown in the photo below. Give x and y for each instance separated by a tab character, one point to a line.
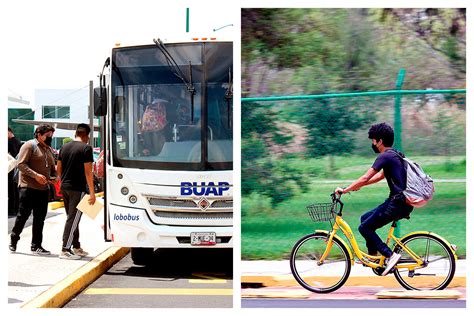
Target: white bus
167	126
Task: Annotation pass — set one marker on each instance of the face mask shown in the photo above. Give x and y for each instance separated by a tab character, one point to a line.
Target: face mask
375	149
48	140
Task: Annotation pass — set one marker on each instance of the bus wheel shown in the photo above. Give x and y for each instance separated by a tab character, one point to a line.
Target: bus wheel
142	256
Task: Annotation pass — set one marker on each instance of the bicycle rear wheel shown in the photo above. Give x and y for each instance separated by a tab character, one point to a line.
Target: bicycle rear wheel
439	263
315	277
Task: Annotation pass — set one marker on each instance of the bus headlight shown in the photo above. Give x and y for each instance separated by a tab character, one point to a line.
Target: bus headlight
132	199
124	190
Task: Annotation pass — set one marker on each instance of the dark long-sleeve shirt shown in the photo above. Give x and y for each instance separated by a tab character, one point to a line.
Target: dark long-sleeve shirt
32	162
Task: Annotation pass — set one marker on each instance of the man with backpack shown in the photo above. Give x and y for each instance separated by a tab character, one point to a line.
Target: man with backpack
390	165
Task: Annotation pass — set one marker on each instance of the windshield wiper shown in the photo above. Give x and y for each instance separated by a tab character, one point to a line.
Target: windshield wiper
173	66
228	95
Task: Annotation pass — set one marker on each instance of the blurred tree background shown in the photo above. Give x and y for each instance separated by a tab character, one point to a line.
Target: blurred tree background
289	147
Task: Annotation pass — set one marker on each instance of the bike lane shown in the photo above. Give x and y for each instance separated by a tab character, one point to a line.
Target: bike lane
273	279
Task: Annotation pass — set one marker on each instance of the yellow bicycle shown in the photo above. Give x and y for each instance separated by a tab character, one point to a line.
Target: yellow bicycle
321	262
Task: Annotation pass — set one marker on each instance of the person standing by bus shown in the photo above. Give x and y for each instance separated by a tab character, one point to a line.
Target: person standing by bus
75	169
14	146
37	170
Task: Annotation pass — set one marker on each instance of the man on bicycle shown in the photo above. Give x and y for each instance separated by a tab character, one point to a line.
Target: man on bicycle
387	165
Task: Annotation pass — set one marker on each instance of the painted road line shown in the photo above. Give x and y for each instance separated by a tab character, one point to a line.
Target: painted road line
155	291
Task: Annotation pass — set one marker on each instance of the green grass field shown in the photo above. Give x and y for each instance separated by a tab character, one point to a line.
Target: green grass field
271	233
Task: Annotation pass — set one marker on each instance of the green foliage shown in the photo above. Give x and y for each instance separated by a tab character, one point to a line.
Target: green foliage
67	140
351	49
329	123
261	172
314	51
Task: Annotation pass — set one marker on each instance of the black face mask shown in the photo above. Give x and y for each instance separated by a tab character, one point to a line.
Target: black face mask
375	149
48	140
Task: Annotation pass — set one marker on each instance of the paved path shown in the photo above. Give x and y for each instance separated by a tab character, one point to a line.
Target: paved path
29	275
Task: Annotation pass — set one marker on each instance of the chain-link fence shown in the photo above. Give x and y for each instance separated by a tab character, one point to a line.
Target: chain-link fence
296	150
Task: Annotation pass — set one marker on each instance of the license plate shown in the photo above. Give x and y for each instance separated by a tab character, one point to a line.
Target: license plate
203	239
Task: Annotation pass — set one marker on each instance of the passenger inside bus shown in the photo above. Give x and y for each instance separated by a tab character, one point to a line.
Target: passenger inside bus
153	127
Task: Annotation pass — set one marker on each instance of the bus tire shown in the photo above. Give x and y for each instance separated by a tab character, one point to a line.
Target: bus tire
141	256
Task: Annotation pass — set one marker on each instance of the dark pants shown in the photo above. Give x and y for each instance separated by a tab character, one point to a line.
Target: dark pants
36	201
12	195
394	208
71	228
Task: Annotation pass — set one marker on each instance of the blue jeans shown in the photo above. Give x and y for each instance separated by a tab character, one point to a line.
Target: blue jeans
393	209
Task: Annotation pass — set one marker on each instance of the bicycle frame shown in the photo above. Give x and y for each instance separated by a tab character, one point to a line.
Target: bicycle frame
341	224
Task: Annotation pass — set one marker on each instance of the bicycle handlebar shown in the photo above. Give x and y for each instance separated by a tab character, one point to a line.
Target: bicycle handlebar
336	199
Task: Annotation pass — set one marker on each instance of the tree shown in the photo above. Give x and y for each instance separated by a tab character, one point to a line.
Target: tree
261	172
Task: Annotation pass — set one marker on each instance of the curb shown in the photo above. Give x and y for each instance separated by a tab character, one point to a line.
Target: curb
55	205
444	294
288	280
276	293
61	293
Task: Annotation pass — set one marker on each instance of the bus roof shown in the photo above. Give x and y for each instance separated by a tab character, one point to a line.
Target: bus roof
184	39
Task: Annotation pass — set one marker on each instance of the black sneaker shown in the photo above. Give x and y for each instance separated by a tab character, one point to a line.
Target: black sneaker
12	245
40	251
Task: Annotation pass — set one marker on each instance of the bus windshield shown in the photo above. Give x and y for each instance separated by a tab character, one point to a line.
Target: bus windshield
155	124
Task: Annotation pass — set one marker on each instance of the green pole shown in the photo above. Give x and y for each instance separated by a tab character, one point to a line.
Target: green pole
397	122
187	20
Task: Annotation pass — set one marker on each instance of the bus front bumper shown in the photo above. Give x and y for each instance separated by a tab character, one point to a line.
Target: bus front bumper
132	227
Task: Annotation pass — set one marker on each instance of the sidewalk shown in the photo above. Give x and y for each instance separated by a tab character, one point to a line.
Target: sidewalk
30	275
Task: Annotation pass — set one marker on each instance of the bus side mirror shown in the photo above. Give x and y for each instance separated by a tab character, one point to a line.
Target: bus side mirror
100	101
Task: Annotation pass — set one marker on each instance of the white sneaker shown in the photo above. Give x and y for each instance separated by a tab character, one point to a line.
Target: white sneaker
80	252
68	254
392	261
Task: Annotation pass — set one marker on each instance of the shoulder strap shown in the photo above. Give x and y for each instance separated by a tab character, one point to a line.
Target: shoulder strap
398	153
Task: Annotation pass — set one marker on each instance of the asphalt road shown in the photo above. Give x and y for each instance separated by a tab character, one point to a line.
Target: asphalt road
192	278
377	303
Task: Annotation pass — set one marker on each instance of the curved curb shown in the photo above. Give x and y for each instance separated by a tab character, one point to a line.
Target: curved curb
62	292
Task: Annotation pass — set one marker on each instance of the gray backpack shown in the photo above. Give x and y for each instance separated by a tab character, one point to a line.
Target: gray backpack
420	187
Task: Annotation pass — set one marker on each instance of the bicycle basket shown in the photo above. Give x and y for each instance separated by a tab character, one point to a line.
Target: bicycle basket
322	212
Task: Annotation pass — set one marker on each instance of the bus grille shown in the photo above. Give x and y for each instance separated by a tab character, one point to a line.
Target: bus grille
188	205
194	216
187	212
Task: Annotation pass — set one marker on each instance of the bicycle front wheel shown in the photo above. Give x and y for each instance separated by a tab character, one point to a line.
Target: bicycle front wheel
438	267
313	275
